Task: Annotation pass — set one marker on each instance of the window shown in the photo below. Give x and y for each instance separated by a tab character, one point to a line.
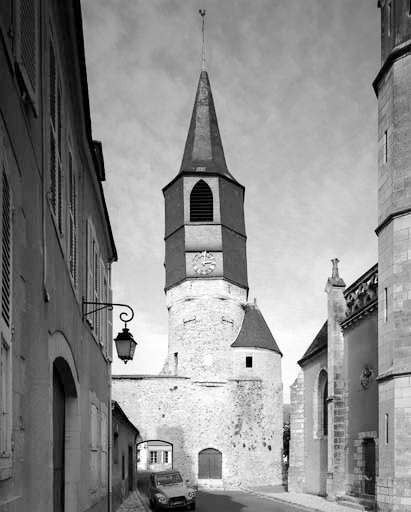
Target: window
94	447
166	457
115	448
6	316
201	203
385	154
123	467
103	446
153	457
325	409
389	18
385	307
98	290
409	7
320	417
175	362
248	362
27	47
55	141
386	429
72	218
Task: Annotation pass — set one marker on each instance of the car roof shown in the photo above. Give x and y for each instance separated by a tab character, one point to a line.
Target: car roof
166	472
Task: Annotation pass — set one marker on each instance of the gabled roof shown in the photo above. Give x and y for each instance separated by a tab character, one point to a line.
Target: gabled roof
255	332
204	150
320	342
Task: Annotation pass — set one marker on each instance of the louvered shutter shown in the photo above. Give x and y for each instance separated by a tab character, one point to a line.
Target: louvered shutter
6	252
110	326
90	263
27	46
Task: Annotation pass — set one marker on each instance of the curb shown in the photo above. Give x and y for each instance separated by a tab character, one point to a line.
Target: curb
280	500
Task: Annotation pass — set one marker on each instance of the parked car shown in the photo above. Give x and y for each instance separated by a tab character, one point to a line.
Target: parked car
169	491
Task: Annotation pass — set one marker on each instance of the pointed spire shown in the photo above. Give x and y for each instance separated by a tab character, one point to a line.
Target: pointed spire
204	150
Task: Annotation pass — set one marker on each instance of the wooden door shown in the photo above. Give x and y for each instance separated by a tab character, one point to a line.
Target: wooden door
59	403
209	464
369	466
130	468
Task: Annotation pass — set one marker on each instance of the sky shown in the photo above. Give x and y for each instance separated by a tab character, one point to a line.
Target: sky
292	87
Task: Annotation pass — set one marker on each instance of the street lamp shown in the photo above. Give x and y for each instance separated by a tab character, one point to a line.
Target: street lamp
125	343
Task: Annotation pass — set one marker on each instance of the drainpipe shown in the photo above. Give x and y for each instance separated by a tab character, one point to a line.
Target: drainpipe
110	427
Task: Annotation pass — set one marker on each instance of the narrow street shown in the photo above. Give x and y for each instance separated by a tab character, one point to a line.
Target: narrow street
236	501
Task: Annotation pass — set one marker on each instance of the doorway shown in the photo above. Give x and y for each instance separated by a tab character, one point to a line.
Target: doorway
210	464
59	422
369	466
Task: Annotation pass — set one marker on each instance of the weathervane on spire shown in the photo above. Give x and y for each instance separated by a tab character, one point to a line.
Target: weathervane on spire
202	14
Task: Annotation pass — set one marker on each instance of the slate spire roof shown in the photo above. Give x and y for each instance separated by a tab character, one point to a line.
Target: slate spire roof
255	332
204	150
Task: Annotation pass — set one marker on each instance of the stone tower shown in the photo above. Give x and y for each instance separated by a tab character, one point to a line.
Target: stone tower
205	261
393	89
218	343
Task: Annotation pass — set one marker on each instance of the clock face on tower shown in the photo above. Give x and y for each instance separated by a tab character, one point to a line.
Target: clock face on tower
204	263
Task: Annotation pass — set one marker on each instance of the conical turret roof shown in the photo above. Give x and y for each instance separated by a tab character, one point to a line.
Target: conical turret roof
203	151
255	332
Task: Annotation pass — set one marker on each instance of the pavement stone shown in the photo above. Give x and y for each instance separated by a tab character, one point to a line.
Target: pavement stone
133	503
307	502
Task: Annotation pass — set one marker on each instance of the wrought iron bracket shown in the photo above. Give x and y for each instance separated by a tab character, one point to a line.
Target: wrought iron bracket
125	316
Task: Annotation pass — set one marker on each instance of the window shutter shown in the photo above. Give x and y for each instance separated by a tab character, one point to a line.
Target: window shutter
6	252
27	46
109	325
90	263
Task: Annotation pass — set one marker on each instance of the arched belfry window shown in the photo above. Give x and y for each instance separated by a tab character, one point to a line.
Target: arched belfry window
201	203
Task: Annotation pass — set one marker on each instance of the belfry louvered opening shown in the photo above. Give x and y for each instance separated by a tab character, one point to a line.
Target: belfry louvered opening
201	203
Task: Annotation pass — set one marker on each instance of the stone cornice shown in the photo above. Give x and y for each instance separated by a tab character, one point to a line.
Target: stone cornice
361	297
397	52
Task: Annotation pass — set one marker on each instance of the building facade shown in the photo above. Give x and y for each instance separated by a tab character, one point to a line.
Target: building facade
363	354
123	457
56	249
218	400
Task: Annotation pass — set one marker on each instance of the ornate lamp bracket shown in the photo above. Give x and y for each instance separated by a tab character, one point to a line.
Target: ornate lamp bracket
125	316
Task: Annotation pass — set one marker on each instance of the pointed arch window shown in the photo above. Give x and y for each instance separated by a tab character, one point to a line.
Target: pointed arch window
320	417
201	203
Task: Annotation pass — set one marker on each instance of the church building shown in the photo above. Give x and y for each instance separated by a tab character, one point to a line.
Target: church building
218	399
351	403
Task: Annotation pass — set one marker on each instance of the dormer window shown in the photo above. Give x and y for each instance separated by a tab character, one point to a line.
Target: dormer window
201	203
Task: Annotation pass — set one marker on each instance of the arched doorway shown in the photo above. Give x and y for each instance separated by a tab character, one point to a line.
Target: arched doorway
65	425
210	464
59	430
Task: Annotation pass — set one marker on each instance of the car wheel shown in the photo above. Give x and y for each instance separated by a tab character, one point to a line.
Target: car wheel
192	506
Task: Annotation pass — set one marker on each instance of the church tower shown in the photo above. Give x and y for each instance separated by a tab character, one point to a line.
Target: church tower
393	89
205	260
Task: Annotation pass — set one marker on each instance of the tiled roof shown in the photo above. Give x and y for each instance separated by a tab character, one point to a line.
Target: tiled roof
320	342
255	332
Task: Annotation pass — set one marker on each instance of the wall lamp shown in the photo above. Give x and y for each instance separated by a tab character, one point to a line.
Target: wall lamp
125	343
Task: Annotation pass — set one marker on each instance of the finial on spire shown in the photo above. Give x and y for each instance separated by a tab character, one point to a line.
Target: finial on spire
335	274
203	64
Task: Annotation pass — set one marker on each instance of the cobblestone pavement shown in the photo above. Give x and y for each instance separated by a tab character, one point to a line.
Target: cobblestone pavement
133	503
305	501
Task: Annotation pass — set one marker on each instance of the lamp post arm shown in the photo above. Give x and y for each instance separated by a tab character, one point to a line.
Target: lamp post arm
125	316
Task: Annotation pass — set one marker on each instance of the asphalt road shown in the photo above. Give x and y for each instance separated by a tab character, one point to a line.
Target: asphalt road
237	501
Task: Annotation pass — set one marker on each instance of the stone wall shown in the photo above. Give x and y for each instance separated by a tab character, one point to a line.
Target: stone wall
296	469
242	418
